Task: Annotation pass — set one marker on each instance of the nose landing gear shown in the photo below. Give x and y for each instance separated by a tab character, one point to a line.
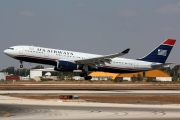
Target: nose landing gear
21	64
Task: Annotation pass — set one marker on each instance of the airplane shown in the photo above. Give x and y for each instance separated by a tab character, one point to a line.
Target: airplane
64	60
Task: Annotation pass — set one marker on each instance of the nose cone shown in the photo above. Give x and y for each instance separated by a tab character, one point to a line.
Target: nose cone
6	51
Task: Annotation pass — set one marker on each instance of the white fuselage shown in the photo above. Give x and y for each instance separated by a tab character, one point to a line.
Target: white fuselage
51	56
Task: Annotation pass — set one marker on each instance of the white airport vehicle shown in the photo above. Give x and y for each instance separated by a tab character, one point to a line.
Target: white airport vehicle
64	60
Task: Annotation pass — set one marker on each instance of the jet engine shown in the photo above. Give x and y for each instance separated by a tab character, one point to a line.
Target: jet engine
65	66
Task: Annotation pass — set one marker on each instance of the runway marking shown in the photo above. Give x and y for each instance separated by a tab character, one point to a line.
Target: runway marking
95	111
159	113
4	113
121	113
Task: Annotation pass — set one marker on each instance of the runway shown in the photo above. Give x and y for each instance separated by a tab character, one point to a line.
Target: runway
49	112
12	108
91	91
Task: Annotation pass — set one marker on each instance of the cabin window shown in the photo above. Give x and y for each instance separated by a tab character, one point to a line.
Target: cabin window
11	48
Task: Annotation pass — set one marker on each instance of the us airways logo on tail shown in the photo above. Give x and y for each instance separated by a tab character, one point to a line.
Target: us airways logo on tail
162	52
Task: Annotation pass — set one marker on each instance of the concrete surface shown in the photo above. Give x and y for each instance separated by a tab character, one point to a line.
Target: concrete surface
92	91
17	109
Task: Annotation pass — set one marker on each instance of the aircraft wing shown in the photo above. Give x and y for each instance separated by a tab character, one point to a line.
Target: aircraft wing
96	61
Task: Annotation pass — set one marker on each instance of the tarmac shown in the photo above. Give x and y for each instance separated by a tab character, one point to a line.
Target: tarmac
91	91
12	108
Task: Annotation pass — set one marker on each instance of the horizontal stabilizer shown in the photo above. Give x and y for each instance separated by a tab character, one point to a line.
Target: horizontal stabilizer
155	66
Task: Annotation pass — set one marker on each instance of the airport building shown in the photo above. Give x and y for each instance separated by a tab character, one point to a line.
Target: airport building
157	75
103	76
35	73
2	76
153	75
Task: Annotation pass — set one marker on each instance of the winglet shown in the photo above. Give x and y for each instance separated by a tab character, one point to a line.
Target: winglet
126	51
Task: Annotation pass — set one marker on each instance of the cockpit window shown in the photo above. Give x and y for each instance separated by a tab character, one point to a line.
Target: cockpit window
11	48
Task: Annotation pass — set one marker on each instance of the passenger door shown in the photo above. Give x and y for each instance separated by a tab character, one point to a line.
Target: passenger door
21	50
46	54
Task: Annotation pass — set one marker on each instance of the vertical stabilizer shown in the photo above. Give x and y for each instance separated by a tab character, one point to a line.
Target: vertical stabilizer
161	53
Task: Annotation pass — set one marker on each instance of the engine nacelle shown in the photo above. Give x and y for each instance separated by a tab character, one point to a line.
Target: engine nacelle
66	66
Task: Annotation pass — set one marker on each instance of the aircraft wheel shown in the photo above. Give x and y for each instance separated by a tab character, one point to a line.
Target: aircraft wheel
87	77
83	74
21	66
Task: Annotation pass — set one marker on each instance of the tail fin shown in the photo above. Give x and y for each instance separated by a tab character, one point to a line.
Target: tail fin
161	53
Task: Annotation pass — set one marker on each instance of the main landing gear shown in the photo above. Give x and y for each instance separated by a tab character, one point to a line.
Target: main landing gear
84	73
21	64
86	77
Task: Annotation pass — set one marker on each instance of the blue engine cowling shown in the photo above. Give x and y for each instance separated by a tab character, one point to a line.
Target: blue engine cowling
66	66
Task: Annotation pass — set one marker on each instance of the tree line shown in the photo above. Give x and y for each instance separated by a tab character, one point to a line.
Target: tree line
173	72
21	72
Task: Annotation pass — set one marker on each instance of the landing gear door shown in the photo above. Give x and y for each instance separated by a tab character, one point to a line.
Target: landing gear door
21	50
135	64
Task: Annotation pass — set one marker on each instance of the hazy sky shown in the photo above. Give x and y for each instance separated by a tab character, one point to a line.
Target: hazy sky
92	26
